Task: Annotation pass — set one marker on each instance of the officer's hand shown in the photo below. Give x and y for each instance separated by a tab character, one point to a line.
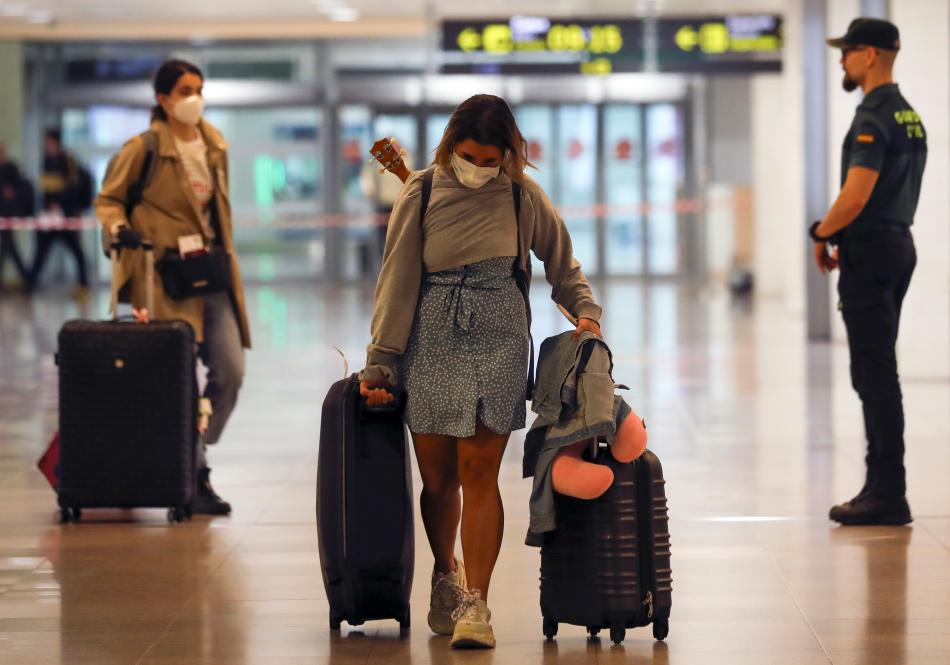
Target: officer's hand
826	262
376	392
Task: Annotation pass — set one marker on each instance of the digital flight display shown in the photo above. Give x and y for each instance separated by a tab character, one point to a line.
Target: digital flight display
538	44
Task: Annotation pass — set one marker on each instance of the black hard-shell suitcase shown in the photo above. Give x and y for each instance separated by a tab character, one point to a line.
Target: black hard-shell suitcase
607	565
364	509
128	409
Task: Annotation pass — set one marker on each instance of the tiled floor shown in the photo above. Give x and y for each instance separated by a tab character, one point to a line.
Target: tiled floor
758	433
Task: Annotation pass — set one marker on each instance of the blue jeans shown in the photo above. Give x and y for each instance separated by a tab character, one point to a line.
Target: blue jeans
223	354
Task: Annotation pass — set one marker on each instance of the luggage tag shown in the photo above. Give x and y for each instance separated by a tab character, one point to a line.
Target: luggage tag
192	245
346	364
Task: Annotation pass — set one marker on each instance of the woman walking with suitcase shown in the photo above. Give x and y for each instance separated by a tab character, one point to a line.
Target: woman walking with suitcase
170	185
451	328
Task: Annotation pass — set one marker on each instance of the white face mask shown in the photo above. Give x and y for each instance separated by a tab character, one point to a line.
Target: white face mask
470	175
189	110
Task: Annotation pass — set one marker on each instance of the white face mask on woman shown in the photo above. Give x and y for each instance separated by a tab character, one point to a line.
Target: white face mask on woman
189	110
470	175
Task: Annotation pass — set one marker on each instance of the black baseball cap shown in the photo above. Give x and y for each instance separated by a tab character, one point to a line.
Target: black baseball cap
869	32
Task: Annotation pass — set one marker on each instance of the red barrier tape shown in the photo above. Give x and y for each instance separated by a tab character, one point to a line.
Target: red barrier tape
340	220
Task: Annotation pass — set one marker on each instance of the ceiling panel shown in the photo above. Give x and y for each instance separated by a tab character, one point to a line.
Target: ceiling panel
183	10
285	19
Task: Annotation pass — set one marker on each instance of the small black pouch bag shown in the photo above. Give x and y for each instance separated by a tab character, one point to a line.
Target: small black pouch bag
198	275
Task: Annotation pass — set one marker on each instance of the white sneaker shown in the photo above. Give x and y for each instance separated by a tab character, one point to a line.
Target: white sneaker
472	627
447	592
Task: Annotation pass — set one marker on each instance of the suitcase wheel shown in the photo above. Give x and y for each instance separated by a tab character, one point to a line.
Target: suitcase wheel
617	635
178	515
67	515
335	623
593	631
406	619
550	628
661	628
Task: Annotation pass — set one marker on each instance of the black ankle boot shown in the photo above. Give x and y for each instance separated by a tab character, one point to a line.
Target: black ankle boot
207	501
867	509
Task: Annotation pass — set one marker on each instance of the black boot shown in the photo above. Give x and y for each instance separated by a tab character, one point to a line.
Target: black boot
867	509
207	501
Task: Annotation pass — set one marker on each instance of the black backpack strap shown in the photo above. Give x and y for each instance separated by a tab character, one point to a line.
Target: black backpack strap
523	278
426	193
137	189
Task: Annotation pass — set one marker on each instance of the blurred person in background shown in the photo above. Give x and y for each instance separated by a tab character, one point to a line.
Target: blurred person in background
66	188
16	200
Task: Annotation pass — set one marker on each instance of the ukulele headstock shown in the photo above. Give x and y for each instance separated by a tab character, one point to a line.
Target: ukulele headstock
388	153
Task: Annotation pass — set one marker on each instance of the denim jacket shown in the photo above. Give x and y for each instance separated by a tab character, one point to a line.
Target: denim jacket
574	399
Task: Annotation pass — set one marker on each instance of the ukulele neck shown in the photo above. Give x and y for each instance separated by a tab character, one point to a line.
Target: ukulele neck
401	171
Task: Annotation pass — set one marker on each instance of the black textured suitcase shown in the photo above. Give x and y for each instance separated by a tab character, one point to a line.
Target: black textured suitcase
364	509
607	565
127	415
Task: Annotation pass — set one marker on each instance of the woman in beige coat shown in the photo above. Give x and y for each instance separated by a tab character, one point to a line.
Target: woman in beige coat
185	200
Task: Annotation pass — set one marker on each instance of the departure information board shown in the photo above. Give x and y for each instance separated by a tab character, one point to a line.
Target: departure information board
539	45
536	44
743	43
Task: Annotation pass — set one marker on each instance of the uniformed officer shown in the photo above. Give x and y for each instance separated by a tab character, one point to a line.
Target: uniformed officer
881	169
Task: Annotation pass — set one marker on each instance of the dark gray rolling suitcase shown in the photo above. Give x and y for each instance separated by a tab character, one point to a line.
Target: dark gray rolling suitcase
607	565
128	409
364	509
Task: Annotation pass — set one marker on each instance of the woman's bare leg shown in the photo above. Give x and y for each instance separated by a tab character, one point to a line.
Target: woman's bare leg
440	501
483	516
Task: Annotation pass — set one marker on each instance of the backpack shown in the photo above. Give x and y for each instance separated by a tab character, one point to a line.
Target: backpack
134	192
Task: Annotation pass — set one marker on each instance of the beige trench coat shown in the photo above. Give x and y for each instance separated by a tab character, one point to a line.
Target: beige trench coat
168	210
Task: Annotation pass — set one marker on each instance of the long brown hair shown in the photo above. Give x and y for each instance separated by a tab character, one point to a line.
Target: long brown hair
486	119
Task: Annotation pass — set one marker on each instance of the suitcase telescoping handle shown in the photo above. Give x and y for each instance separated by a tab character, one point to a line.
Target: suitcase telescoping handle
128	239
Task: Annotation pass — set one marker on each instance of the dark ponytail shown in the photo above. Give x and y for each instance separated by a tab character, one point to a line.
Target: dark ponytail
166	78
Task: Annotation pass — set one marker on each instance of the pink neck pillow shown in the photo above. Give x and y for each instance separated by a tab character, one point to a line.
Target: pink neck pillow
572	475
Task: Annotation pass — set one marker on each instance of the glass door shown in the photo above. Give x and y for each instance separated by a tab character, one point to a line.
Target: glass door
537	126
665	184
435	128
366	194
277	185
622	161
576	179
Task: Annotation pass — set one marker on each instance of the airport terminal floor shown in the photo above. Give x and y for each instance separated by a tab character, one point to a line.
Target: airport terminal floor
759	434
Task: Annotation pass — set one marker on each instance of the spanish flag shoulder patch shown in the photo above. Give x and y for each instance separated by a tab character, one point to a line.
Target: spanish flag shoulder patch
865	138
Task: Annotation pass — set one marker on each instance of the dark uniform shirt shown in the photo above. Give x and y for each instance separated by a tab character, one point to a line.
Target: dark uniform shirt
56	185
9	189
887	136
